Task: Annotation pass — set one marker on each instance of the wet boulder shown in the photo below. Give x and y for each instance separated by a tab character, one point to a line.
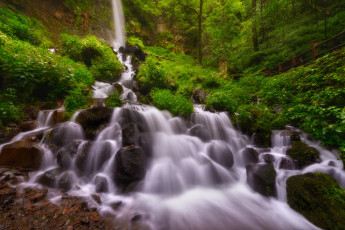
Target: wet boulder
92	119
49	178
27	126
21	154
269	158
130	166
250	156
303	154
82	156
200	132
64	134
135	50
130	135
101	184
199	95
261	178
286	163
65	155
65	182
262	138
294	135
219	152
319	198
118	88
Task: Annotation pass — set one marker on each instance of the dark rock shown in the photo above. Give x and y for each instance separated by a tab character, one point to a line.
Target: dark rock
303	154
29	125
96	198
130	135
261	178
92	119
294	135
135	50
146	143
101	184
220	153
82	156
116	205
200	132
269	158
65	155
128	116
49	178
287	164
136	218
130	166
31	113
331	164
65	182
199	95
64	134
21	154
250	156
312	193
118	88
262	139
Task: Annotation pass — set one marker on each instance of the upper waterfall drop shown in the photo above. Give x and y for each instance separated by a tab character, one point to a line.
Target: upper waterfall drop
119	24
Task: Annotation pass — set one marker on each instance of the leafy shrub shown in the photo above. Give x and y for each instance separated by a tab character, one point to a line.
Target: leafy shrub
78	98
98	56
8	111
176	104
113	100
134	41
20	27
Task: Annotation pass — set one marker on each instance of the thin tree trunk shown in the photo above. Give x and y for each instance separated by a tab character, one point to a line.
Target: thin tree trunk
200	32
254	29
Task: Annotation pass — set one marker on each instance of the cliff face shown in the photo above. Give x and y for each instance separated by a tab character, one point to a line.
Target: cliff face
93	17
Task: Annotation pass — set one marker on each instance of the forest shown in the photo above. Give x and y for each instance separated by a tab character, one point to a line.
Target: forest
202	100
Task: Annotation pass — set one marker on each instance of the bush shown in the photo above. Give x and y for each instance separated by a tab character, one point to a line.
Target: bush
176	104
20	27
78	98
98	56
113	100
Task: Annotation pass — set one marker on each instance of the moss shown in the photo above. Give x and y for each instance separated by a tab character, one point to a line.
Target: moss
303	154
319	198
113	100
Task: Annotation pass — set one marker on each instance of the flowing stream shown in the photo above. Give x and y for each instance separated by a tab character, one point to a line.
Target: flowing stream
194	180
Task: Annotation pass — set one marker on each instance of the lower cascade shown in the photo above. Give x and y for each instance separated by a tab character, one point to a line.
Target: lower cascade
168	172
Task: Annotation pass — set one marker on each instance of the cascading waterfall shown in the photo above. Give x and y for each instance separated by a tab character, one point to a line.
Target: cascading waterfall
196	175
119	23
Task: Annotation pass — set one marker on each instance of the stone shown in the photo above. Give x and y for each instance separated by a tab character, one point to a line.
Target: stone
294	135
269	158
35	195
130	135
303	154
27	126
200	132
130	166
261	178
65	155
21	154
199	95
312	193
96	198
116	205
118	88
250	156
65	183
49	178
64	134
135	50
92	119
287	164
101	184
219	152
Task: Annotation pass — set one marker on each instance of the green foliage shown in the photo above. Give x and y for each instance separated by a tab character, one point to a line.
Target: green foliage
18	26
78	98
9	112
312	193
134	41
176	104
98	56
113	100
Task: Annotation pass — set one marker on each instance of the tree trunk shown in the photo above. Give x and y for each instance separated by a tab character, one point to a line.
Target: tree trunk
200	32
254	29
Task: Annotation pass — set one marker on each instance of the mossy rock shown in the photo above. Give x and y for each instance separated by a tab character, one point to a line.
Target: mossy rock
261	178
303	154
319	198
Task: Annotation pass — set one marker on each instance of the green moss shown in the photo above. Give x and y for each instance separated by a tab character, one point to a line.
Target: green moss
319	198
113	100
176	104
303	154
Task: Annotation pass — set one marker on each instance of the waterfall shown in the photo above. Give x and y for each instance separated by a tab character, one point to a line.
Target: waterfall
119	24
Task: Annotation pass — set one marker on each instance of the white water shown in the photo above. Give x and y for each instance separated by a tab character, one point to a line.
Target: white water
119	24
